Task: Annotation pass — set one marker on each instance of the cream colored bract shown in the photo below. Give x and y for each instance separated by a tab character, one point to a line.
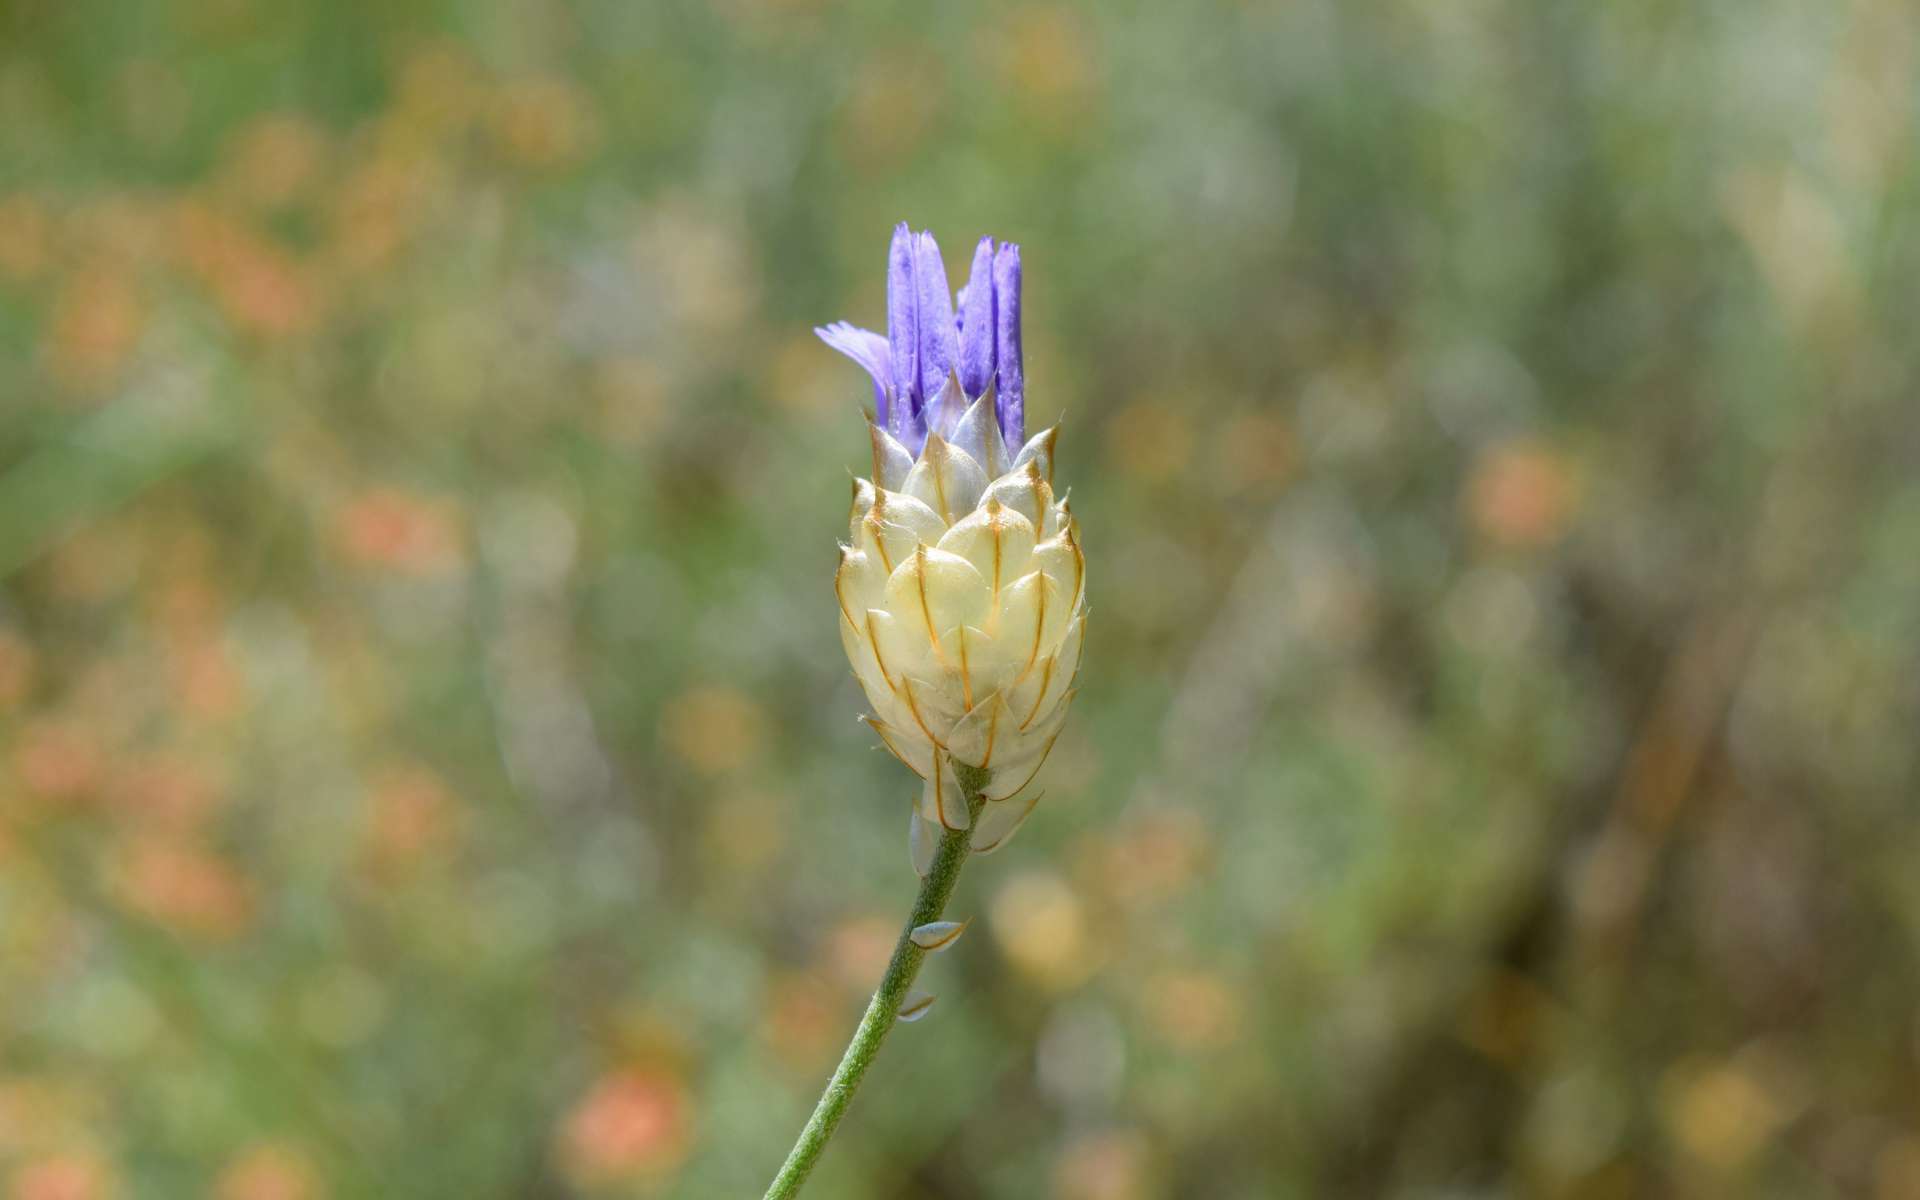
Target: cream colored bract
962	609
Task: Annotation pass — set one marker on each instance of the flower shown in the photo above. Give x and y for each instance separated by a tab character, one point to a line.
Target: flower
962	591
935	358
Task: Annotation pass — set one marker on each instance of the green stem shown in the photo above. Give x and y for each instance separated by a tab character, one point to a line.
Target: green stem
884	1009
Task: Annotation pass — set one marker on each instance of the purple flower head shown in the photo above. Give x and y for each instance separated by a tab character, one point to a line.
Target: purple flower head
928	342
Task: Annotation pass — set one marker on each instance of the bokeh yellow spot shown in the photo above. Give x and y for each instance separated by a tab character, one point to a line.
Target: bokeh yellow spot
16	670
1720	1114
439	88
274	160
714	728
1041	927
632	396
808	384
896	95
1049	62
543	124
26	236
1149	441
1195	1010
1896	1169
744	831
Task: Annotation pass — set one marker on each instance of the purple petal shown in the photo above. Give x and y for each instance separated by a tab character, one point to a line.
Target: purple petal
868	349
912	426
976	319
903	331
1010	400
939	341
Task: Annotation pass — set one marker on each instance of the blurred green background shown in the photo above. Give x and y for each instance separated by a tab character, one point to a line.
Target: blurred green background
428	768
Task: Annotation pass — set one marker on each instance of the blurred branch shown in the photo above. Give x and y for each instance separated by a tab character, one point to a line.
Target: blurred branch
108	460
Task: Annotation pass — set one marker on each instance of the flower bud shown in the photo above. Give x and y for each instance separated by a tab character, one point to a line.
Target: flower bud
962	588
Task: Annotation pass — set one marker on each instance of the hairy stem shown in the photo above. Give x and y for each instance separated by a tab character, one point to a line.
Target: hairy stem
884	1009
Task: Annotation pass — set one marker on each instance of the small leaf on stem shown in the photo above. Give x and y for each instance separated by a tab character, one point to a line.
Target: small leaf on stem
937	935
916	1005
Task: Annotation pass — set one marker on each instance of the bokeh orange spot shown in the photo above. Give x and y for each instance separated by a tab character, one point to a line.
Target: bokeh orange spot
97	321
268	1172
633	1122
805	1017
388	528
411	815
207	680
57	761
1521	494
1102	1166
1153	855
185	888
165	791
188	606
859	948
71	1176
258	285
1256	450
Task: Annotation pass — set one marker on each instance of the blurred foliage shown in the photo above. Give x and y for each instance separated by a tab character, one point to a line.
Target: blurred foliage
427	767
